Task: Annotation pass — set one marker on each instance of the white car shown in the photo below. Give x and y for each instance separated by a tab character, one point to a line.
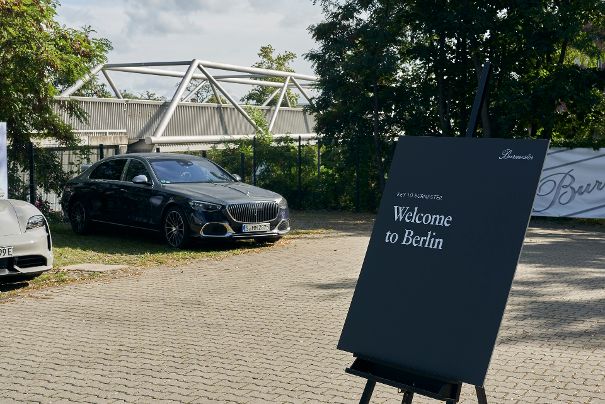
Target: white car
25	241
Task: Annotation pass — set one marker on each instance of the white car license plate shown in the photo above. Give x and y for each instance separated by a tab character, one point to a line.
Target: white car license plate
254	227
6	252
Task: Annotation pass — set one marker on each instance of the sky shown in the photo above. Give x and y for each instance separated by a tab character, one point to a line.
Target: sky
226	31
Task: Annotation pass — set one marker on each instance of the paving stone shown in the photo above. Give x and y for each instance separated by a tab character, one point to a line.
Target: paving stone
263	327
86	267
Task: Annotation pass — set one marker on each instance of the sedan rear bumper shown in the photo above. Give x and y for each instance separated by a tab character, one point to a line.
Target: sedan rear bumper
31	253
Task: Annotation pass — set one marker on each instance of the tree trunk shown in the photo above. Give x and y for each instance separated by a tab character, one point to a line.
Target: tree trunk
378	142
563	52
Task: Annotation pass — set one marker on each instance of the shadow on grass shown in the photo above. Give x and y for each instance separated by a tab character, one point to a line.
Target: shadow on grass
8	285
116	240
114	245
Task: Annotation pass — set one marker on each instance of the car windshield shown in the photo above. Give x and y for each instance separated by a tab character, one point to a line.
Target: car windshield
173	171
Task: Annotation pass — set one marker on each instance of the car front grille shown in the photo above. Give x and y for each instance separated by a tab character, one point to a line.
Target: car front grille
253	212
30	261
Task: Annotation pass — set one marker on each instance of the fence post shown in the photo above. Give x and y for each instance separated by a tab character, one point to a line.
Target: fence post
32	175
299	172
318	157
357	169
254	160
242	166
101	151
318	187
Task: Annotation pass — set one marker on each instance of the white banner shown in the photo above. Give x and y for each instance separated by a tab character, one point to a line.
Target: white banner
3	163
572	184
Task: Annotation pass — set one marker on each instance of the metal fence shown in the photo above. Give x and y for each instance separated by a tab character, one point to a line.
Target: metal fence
71	160
299	170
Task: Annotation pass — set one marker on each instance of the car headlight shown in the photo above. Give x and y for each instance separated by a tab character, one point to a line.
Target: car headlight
34	222
282	203
205	206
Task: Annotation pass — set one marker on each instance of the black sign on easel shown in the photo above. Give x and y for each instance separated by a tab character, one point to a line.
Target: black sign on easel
442	256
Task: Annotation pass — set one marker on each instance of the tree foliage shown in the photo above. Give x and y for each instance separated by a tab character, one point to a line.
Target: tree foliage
145	95
411	67
38	59
277	166
204	92
268	60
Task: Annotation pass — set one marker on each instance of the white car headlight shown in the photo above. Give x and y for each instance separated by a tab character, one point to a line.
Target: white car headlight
34	222
282	203
205	206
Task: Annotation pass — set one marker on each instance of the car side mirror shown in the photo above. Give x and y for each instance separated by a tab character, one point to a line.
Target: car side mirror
141	179
237	177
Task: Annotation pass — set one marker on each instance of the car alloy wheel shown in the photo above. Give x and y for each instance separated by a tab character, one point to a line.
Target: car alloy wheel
175	231
78	218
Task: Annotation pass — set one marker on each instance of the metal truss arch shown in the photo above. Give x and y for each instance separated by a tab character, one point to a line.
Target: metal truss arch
215	74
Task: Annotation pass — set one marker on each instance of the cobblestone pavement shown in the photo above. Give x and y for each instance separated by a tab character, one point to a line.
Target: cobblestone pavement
263	327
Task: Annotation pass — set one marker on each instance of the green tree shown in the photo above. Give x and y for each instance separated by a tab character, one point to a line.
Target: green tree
204	93
145	95
268	60
94	88
389	67
38	59
277	165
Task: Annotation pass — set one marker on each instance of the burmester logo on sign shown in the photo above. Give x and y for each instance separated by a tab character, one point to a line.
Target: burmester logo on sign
509	155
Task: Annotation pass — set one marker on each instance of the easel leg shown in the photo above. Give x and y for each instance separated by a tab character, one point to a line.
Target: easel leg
408	396
367	392
481	397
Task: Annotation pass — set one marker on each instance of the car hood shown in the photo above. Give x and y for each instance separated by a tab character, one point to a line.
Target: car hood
14	215
224	193
9	223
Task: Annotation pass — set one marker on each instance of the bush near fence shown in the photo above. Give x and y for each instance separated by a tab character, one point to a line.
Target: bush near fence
308	174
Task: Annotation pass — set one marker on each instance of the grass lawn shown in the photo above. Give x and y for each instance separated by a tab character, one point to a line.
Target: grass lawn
140	249
111	245
129	247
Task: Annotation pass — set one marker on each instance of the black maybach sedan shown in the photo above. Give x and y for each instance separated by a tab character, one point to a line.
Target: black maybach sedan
181	196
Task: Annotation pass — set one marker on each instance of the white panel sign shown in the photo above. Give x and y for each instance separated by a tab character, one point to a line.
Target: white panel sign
572	184
3	163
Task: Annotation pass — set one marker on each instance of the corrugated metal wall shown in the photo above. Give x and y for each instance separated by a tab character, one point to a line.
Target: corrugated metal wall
139	118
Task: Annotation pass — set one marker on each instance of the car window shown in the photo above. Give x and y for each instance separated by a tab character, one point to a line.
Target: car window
109	170
171	171
136	167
